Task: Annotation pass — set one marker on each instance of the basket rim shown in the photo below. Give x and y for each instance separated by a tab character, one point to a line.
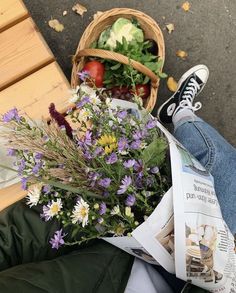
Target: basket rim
116	12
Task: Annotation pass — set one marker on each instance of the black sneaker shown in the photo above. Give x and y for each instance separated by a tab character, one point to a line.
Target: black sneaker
189	86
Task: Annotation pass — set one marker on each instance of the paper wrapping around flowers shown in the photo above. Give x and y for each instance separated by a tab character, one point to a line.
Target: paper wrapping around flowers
7	177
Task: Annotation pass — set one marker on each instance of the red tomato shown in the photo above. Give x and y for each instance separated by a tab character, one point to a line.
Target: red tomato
96	71
142	90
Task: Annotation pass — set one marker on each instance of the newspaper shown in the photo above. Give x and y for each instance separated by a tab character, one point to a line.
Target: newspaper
186	233
204	245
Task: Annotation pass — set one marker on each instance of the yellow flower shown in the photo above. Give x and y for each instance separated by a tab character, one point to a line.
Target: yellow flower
119	230
107	139
109	142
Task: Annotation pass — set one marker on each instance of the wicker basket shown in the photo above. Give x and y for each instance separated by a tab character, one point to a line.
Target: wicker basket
98	25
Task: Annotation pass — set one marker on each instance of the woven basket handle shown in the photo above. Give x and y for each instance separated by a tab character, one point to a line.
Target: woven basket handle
120	58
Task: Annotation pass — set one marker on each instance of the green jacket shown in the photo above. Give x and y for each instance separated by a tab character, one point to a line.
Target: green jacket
28	264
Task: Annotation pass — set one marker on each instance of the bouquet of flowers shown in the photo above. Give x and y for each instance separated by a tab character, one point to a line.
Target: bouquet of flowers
100	173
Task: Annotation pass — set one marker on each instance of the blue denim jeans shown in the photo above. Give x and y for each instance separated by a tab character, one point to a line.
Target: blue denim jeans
217	156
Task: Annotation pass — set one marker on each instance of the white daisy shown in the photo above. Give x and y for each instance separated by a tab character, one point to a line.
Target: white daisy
74	95
95	100
84	115
108	102
115	210
33	195
80	213
86	90
53	208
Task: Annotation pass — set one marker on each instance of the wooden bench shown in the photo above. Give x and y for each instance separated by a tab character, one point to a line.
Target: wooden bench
30	78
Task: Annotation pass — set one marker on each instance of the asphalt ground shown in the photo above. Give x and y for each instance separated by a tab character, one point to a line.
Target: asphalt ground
207	33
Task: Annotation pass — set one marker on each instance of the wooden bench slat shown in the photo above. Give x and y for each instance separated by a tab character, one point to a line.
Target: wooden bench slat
10	195
34	93
11	12
22	51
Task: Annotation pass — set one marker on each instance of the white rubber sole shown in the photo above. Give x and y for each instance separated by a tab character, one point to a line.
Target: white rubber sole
183	77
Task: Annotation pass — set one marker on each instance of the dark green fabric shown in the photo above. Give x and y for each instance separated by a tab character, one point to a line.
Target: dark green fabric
24	237
28	264
100	268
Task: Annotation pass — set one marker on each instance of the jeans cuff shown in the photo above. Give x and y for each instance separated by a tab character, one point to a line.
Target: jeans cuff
192	118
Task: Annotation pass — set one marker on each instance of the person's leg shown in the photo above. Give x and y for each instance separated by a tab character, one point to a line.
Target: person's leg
217	156
204	142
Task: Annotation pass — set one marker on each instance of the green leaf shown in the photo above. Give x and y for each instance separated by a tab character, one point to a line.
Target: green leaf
115	67
75	232
162	75
155	152
146	80
94	45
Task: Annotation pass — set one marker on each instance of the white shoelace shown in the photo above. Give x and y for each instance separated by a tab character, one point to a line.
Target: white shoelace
188	97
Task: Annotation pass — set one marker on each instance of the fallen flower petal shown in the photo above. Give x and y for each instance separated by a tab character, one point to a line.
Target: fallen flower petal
186	6
79	9
170	27
56	25
181	54
171	84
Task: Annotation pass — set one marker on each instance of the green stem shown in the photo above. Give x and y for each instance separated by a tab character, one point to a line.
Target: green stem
73	189
83	240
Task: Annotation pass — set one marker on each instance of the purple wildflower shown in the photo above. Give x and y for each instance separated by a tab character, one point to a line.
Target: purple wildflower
60	119
84	100
122	114
155	170
24	183
122	144
57	239
98	151
88	155
137	135
93	177
105	182
21	166
83	75
151	124
38	156
46	189
11	115
46	138
112	159
11	152
105	193
36	168
129	163
44	214
135	145
100	221
138	166
102	209
87	139
139	181
126	181
130	200
150	181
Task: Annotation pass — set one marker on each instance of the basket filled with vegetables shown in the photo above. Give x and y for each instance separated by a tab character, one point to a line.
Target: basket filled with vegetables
123	51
